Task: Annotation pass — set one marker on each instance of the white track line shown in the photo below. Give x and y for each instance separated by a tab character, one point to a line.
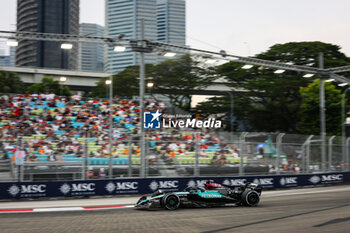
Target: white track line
57	209
265	195
285	193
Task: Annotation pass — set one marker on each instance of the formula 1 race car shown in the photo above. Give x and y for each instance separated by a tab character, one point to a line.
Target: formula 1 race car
212	194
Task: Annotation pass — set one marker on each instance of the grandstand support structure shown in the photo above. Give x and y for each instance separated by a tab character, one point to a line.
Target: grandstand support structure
149	46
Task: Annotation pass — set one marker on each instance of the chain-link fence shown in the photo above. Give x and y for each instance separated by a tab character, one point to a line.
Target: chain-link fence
186	153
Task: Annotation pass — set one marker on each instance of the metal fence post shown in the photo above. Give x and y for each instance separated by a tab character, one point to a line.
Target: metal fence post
146	156
86	155
278	161
330	151
196	169
306	148
19	167
130	154
303	158
346	162
22	173
242	145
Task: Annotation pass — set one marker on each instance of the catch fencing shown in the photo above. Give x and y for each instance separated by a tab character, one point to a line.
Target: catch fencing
243	154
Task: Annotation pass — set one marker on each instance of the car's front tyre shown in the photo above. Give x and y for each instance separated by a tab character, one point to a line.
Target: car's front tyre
171	201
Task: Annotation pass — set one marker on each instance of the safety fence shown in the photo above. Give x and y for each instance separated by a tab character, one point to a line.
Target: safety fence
17	190
182	156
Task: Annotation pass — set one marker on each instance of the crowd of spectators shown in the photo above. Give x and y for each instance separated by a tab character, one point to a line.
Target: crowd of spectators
53	126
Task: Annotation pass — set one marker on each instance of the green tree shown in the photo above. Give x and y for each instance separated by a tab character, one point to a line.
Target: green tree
309	122
177	79
180	78
272	101
220	108
125	83
48	85
10	82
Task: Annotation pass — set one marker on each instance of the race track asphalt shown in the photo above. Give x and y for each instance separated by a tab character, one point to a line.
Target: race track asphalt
319	210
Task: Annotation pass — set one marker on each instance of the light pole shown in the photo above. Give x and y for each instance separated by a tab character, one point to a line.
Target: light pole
110	83
142	95
343	122
62	80
322	115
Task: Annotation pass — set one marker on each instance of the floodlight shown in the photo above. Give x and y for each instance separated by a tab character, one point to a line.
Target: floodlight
169	54
279	71
12	43
308	75
119	48
63	79
247	67
66	46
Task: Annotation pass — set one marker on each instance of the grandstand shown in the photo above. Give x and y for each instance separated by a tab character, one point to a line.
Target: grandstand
67	135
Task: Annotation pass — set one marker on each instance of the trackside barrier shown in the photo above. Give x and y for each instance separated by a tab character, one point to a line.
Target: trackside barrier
17	190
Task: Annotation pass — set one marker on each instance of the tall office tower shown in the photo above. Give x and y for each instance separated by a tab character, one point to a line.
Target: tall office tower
123	17
12	56
171	23
4	57
47	16
91	55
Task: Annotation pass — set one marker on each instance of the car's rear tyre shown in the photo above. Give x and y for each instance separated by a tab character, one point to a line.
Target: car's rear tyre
171	201
250	198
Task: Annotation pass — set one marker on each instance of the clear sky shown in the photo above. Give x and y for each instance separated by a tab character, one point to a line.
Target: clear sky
241	27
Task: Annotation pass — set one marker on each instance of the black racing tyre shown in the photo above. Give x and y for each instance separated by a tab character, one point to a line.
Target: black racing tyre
250	198
171	201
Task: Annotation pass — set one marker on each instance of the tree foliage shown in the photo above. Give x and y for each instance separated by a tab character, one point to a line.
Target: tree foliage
10	82
49	85
125	83
179	78
220	108
272	101
309	122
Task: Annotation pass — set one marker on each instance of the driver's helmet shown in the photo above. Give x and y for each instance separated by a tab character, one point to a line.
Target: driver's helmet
158	192
211	185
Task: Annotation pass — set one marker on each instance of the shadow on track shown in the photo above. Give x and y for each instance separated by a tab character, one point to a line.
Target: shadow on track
275	219
333	221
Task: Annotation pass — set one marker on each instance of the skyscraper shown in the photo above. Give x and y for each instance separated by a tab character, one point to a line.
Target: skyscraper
171	21
91	55
6	55
123	17
47	16
12	56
